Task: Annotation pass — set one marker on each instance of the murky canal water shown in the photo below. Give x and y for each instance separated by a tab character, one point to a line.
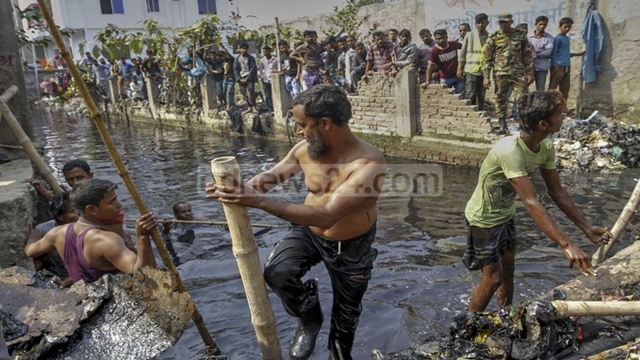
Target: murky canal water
418	281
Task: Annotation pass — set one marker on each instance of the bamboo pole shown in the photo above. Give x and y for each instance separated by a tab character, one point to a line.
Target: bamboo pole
211	347
625	216
245	250
596	308
207	222
24	140
603	355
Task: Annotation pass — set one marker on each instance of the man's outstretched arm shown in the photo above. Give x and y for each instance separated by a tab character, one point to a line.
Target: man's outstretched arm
283	170
527	192
564	202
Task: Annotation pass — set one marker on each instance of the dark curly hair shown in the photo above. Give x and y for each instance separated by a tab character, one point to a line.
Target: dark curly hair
538	106
325	100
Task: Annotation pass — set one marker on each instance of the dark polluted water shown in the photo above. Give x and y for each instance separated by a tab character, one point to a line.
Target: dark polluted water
418	282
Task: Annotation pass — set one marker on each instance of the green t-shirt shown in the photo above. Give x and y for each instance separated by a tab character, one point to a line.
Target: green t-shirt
493	202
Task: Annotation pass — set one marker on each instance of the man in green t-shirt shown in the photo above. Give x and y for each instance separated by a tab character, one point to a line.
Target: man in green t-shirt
504	173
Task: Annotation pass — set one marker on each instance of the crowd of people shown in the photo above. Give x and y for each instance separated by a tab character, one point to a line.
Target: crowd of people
469	64
131	74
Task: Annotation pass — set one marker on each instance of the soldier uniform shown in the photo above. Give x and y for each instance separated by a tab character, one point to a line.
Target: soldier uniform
509	56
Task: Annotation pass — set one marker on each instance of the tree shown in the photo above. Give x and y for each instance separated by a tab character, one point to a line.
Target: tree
347	19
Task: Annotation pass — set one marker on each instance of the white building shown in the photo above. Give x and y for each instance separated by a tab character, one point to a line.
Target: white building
88	17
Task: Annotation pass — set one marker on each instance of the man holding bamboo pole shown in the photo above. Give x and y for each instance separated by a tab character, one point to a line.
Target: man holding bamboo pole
504	173
87	249
335	225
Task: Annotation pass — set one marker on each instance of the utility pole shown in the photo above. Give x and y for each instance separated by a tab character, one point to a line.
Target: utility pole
278	47
11	74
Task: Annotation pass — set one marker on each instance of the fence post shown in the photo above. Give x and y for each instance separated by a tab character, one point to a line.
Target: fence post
209	94
406	84
282	101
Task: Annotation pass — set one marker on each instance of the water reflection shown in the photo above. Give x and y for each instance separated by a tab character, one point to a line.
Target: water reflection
418	282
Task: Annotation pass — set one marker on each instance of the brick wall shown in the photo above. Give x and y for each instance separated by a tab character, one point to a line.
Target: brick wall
438	112
374	115
444	113
374	109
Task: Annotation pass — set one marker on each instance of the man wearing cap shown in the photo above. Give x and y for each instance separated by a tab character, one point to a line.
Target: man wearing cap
508	54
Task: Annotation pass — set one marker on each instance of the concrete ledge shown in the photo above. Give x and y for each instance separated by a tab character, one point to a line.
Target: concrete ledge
430	149
17	209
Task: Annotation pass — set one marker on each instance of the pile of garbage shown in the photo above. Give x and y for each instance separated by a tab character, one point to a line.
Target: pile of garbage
525	332
597	144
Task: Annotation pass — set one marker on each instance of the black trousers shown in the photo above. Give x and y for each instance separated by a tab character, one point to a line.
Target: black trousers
349	270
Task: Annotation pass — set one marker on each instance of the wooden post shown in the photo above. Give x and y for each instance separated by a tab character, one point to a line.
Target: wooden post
24	140
209	94
245	250
596	308
625	216
152	93
210	345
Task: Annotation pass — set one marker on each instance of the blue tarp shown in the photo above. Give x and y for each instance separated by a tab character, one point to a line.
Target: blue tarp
592	35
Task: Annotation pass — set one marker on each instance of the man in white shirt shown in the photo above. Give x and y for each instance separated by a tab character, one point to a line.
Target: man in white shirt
267	65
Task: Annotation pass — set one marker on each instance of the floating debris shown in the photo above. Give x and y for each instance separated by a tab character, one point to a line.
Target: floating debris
597	144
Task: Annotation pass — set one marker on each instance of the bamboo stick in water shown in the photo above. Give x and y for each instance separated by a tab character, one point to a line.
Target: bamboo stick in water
625	216
245	250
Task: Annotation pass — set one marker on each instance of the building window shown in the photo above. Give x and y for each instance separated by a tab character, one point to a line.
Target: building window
111	6
206	7
153	6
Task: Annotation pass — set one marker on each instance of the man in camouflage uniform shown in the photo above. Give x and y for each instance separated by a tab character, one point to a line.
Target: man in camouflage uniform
507	53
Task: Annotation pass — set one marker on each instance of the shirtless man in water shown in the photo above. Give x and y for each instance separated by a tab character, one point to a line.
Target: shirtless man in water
335	225
87	249
77	170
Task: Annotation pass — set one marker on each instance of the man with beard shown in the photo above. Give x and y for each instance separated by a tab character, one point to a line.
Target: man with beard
336	224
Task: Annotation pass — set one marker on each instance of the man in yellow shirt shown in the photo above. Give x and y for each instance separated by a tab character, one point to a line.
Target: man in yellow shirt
504	174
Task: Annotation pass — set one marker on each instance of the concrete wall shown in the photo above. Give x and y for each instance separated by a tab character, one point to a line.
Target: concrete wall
617	86
17	209
11	74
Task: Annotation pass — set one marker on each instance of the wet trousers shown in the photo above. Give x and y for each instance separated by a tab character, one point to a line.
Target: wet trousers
349	270
503	83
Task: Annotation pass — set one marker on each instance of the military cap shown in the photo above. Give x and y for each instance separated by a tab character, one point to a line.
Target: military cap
505	17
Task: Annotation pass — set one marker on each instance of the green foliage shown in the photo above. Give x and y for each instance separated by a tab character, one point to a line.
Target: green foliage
347	19
202	34
291	35
34	15
112	43
168	43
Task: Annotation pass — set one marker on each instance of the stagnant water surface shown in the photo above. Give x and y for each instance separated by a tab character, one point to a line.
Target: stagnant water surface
418	281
